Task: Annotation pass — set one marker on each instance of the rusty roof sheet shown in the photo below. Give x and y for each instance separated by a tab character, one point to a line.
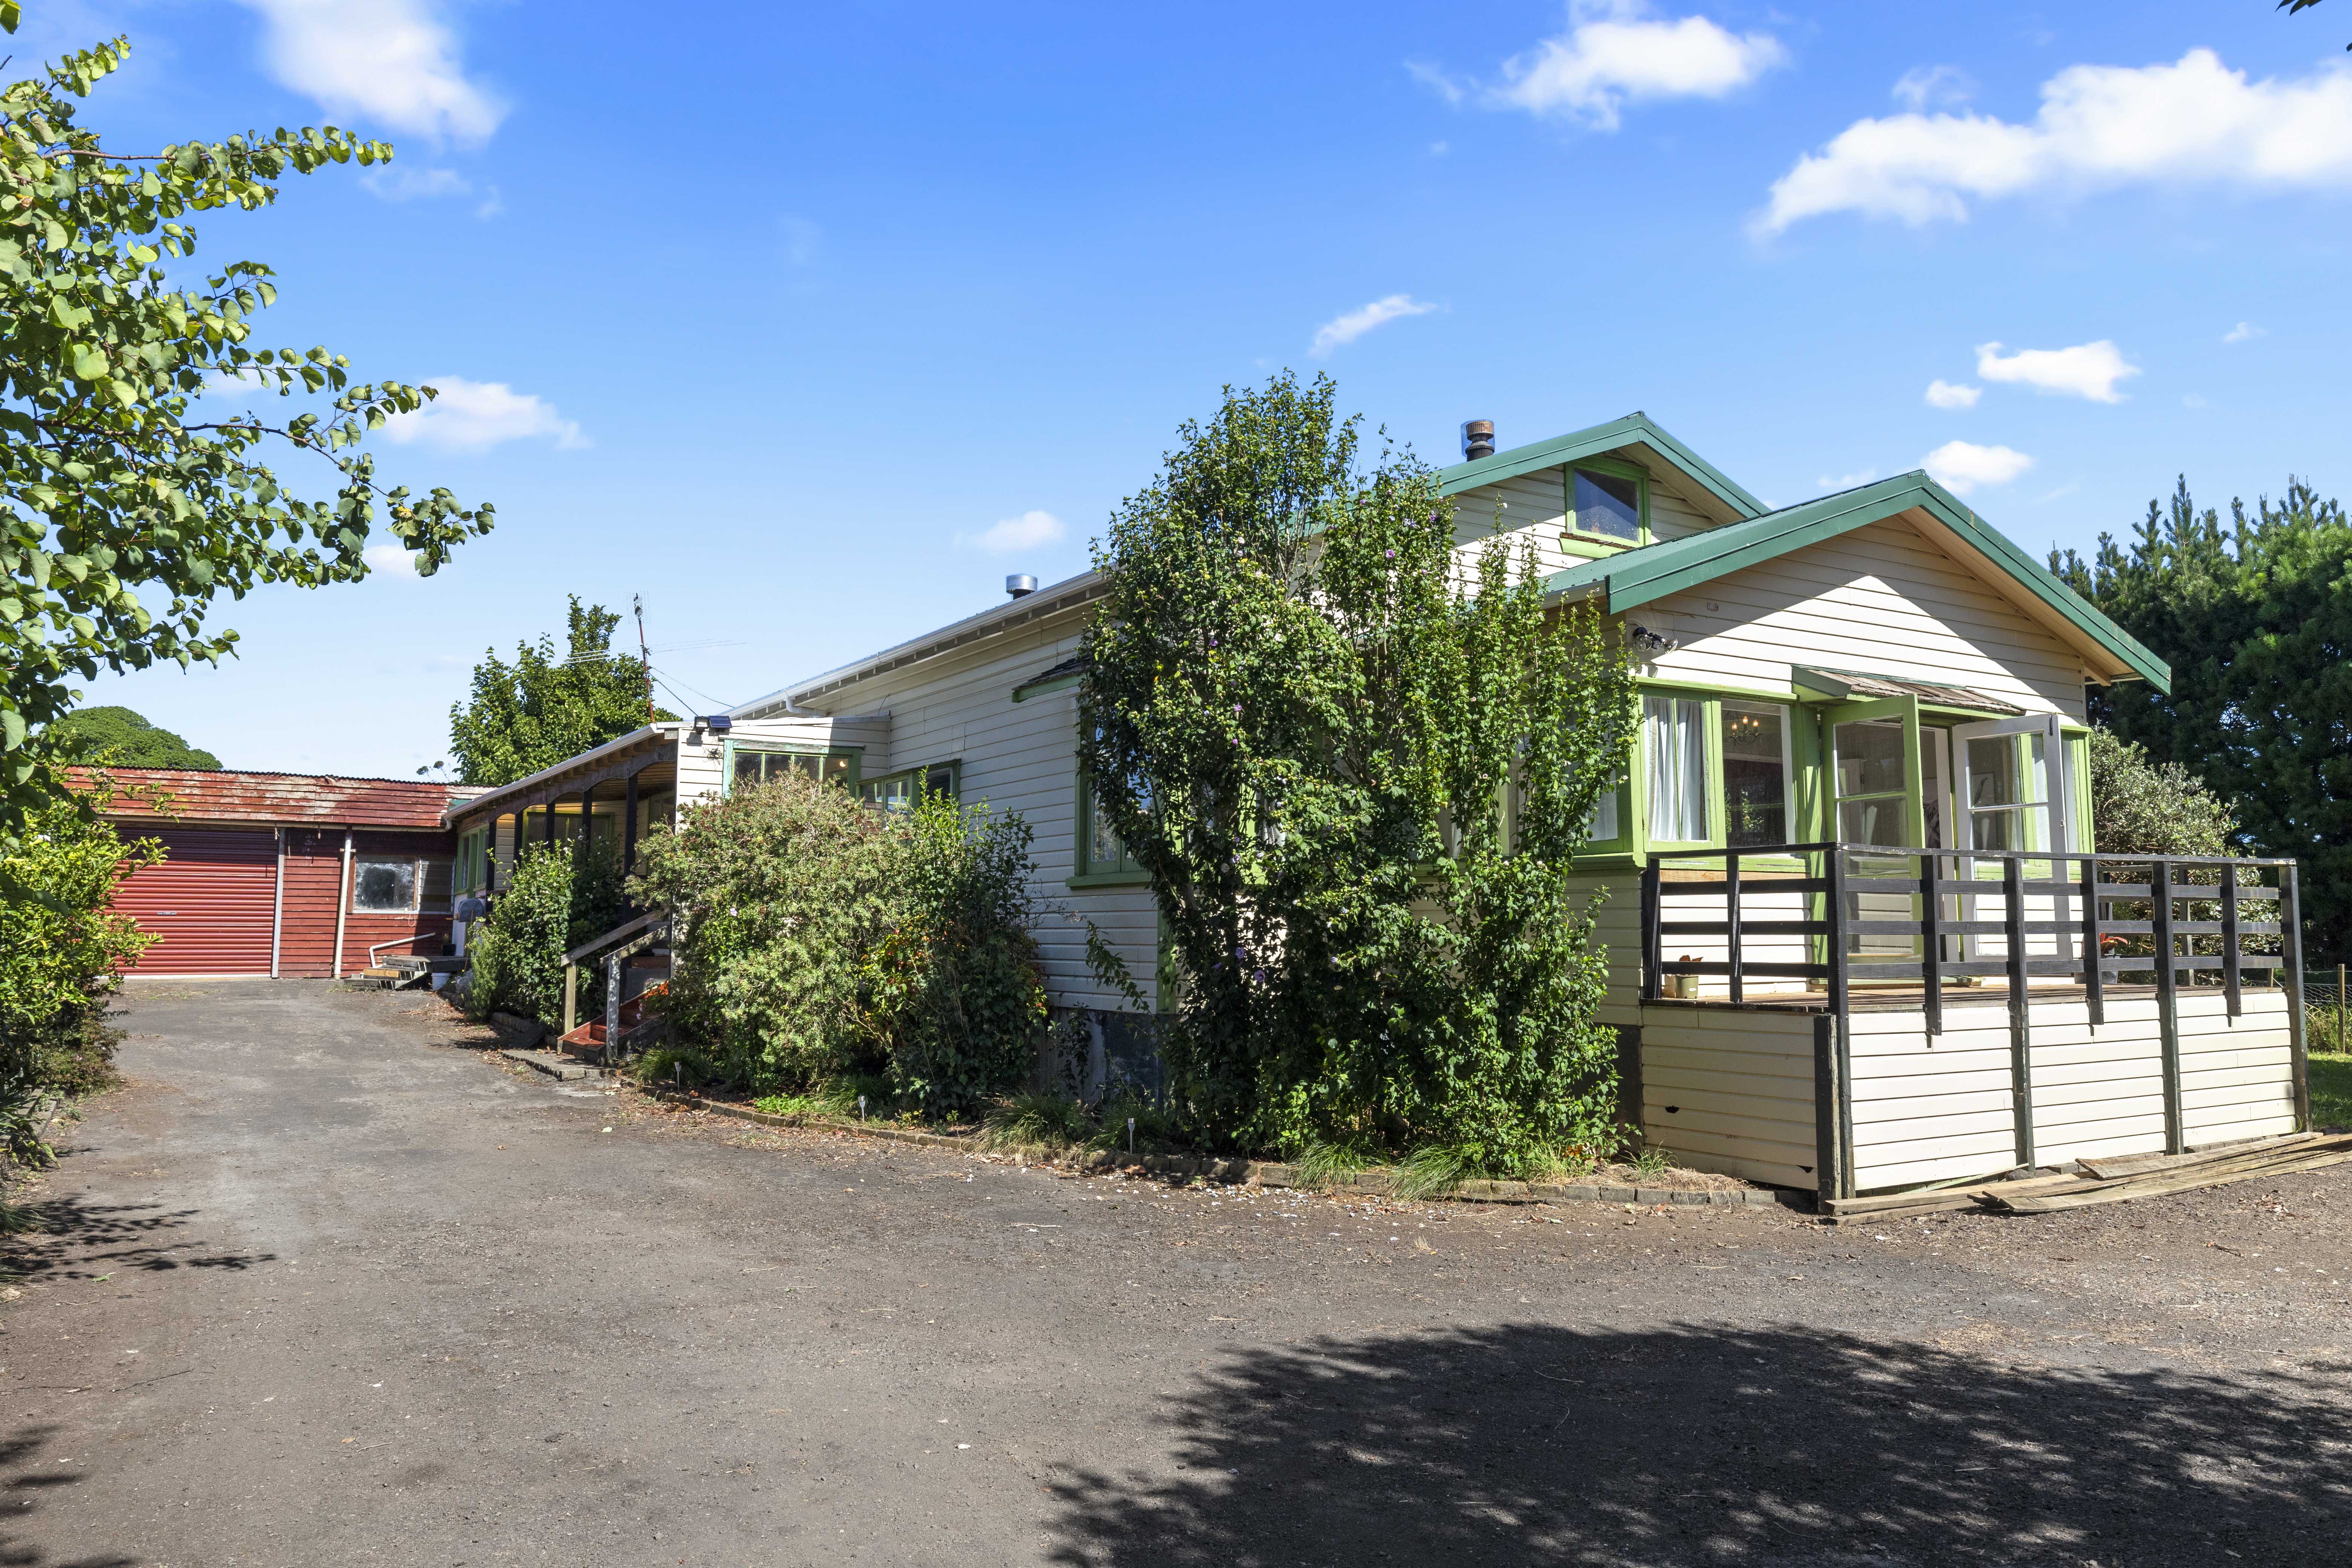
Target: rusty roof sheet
1860	683
197	795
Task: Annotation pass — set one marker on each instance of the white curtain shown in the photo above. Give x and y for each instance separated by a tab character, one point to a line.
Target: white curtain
1678	758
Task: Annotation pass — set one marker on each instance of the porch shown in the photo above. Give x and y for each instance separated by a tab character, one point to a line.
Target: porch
1861	1018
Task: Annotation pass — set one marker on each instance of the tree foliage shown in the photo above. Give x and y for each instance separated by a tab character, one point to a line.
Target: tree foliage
546	706
2255	619
120	738
1355	774
61	948
122	518
2141	806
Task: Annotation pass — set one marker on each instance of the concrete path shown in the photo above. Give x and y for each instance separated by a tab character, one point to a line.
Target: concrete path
328	1285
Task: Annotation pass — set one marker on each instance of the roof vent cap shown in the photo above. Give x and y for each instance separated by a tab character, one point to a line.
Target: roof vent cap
1019	585
1477	439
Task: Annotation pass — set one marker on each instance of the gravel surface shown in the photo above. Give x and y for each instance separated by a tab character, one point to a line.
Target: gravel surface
327	1284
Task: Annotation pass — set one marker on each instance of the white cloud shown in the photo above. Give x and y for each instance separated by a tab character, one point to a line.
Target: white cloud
1030	531
2244	331
1944	394
1346	329
392	62
390	560
2086	370
1961	466
474	415
800	237
1846	482
1614	52
2196	121
2193	400
1935	87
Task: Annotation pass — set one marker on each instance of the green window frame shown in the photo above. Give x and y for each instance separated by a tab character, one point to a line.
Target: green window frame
834	764
1702	776
1608	469
899	791
1099	858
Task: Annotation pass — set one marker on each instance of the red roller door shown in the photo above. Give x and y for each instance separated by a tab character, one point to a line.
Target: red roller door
212	901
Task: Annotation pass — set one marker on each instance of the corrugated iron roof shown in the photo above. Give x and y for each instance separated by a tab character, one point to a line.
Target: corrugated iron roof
201	794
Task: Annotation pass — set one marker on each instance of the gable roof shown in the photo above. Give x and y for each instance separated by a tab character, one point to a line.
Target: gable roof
1636	428
1634	577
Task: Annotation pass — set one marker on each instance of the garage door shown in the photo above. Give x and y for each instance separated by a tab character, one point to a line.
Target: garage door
211	901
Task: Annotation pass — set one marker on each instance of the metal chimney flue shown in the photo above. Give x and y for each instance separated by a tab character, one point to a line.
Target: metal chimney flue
1477	439
1019	585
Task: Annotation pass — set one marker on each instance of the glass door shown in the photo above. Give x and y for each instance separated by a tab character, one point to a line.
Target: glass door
1876	798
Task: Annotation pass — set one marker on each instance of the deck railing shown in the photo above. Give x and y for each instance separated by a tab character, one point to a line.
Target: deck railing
2088	940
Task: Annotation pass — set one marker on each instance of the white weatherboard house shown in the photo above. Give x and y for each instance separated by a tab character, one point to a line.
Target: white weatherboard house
1877	668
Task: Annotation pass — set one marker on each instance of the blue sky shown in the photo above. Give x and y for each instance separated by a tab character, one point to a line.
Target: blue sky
808	323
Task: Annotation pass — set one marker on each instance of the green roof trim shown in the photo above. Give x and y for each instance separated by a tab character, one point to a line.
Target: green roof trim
1592	443
1638	577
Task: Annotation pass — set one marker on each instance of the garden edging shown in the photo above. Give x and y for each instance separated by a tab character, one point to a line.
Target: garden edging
1269	1173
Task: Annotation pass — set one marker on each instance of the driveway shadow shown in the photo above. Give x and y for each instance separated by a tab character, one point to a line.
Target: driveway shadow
1533	1444
30	1472
68	1239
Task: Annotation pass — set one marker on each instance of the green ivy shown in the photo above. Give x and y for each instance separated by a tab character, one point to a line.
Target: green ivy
1357	772
122	519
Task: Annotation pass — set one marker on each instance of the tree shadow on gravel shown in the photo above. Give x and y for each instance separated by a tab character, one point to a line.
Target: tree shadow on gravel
28	1473
1532	1444
66	1238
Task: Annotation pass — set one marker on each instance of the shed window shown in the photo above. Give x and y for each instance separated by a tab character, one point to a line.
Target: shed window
385	886
1607	504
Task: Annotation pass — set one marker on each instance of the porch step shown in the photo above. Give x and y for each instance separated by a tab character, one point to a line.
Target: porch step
556	1065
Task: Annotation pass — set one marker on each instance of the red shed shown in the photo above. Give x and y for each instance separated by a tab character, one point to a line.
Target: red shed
284	874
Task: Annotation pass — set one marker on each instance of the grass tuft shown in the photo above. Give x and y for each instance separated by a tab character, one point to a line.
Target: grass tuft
1320	1165
1432	1170
1045	1122
674	1066
1652	1161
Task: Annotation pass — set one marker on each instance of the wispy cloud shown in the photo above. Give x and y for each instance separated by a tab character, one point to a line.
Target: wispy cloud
1030	531
2086	370
1355	323
475	415
1934	87
1961	466
393	63
801	239
1617	52
2192	123
1847	481
1946	395
2243	331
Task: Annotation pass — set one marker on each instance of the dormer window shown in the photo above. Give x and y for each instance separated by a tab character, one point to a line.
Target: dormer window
1606	503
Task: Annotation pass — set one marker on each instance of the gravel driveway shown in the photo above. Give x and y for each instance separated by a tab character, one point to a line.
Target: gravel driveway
326	1284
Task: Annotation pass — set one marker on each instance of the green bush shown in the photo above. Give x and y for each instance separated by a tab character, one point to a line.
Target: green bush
558	898
953	998
2140	807
61	951
819	941
674	1066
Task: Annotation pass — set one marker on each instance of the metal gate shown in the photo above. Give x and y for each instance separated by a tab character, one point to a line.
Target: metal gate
213	901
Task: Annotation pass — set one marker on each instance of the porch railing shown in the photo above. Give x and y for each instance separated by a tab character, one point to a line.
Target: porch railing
2194	915
2080	919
